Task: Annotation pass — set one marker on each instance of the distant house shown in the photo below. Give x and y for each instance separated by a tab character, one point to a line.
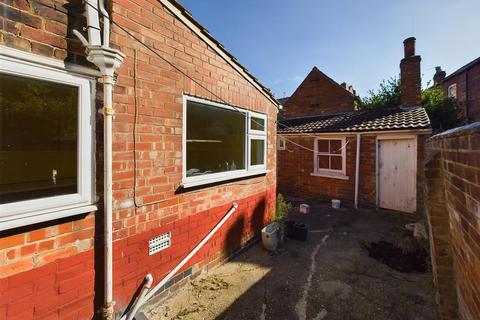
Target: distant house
318	94
464	85
193	137
364	158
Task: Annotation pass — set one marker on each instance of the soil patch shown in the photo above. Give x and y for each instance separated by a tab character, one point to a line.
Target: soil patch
412	260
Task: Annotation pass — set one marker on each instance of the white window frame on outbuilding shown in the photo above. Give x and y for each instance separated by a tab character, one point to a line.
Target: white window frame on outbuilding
250	134
330	173
27	212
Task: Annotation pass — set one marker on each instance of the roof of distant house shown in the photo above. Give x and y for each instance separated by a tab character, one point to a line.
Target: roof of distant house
283	101
462	69
399	118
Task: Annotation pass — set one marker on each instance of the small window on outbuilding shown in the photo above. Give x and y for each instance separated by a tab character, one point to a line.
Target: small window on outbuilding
329	157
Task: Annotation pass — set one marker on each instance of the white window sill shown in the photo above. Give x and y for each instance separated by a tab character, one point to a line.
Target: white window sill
332	175
16	221
190	184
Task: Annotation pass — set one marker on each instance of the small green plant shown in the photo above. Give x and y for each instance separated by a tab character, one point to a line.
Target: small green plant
283	209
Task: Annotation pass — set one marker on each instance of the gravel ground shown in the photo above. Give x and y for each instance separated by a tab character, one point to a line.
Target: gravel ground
330	276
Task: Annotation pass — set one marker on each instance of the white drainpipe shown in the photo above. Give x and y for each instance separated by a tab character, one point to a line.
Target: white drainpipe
148	294
357	169
107	60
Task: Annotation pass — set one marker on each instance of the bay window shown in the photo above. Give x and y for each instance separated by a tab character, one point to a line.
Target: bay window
221	142
45	144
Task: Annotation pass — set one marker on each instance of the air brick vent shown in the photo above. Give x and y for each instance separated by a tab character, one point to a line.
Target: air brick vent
159	243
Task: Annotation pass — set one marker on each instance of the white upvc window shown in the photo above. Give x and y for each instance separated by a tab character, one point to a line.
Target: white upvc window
452	91
281	143
257	141
330	157
221	142
46	133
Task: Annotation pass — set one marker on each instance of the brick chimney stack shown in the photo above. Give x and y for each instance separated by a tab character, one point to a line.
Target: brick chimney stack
439	75
410	79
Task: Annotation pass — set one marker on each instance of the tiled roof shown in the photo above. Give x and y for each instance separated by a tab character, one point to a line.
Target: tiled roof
283	101
400	118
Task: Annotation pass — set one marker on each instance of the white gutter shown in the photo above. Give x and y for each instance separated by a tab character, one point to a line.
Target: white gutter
148	294
357	169
107	60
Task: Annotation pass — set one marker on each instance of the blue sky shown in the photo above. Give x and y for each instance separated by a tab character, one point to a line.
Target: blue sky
359	42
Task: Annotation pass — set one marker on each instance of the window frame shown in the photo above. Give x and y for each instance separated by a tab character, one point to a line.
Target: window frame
281	143
249	170
454	85
341	174
253	134
26	212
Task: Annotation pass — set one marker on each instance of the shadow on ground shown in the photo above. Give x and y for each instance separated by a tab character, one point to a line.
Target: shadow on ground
330	276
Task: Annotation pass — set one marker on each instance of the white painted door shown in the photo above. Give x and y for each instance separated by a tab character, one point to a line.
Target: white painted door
397	174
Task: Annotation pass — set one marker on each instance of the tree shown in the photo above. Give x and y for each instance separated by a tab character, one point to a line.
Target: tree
387	96
443	111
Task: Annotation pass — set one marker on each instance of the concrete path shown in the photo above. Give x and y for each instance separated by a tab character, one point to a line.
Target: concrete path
330	276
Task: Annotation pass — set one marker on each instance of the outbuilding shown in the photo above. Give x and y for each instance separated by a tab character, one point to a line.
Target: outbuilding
370	158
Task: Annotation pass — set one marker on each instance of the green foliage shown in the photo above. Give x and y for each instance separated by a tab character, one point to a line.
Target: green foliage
387	96
283	209
443	111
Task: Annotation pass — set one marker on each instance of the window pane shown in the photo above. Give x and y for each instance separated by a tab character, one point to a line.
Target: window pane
336	162
215	139
323	162
322	146
257	124
335	146
38	138
257	148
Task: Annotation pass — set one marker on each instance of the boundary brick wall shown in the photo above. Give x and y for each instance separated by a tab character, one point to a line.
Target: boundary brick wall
452	200
54	270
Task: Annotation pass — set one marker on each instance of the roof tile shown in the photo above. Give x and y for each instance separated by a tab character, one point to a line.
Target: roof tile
399	118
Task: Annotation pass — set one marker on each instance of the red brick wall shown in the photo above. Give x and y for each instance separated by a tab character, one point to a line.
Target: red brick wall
452	194
368	167
295	165
44	28
472	78
63	288
318	94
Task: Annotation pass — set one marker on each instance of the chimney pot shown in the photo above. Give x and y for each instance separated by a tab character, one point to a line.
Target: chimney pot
409	47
